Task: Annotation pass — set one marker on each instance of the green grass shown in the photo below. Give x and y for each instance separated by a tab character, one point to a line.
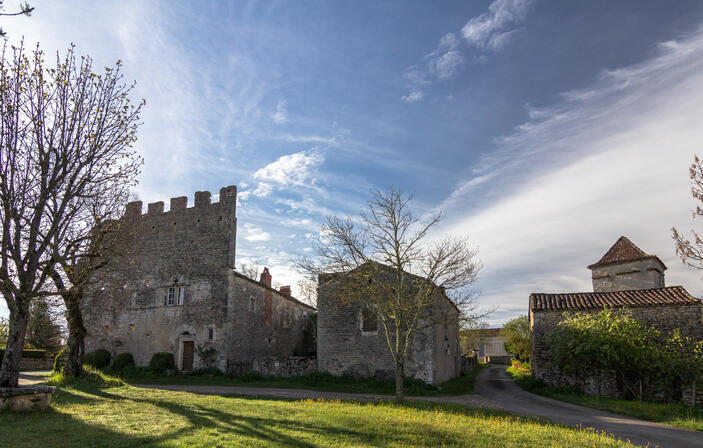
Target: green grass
95	413
677	414
316	381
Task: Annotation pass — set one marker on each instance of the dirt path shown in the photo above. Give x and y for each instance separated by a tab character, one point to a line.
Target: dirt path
30	378
494	389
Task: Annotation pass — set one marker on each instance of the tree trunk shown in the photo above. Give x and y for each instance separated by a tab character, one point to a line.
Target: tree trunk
76	336
399	375
10	369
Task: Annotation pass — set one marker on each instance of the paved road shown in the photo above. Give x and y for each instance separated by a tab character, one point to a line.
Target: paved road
494	389
494	385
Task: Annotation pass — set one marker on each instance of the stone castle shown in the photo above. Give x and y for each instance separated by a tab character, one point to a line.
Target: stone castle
173	288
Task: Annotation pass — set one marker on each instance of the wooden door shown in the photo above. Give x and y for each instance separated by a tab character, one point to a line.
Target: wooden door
188	350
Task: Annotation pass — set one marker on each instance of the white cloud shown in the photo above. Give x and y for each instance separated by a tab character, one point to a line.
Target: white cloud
446	65
297	169
490	30
610	159
253	233
281	114
416	82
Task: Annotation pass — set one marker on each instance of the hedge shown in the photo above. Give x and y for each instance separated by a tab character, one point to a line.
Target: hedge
29	353
161	362
122	361
97	358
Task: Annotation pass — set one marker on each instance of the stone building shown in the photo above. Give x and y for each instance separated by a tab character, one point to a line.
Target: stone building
625	277
488	345
351	340
173	288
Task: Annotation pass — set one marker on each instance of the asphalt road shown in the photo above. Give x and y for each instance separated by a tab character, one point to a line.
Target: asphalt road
494	385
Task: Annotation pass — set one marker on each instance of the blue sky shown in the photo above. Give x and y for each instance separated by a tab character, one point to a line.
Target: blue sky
543	129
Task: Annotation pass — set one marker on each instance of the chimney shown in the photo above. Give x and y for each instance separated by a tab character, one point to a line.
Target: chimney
285	290
265	277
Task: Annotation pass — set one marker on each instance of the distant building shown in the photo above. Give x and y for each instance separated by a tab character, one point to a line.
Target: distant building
488	345
350	339
625	277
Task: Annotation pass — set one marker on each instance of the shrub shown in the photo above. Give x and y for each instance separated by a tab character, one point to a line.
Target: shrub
60	360
122	361
517	338
161	362
97	358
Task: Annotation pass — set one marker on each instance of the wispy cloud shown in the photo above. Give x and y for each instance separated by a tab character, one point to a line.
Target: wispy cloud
281	114
493	29
606	160
297	169
253	233
488	32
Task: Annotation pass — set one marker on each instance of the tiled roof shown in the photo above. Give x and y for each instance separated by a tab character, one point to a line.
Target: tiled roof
673	295
622	251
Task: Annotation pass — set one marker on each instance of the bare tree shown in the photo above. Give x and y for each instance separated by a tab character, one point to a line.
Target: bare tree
691	250
65	144
307	291
250	270
24	10
384	262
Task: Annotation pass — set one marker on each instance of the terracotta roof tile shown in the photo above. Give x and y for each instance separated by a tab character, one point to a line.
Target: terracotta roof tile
673	295
622	251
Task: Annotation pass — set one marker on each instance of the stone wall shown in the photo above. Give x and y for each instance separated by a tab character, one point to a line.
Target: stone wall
29	364
285	367
687	318
687	397
641	274
344	349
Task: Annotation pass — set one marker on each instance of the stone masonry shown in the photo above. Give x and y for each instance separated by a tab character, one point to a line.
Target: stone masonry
173	288
344	347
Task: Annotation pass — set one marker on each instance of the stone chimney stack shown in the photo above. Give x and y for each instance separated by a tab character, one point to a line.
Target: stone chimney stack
265	277
285	290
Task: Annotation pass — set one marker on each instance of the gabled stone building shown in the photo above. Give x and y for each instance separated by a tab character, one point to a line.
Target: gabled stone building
174	289
625	277
351	340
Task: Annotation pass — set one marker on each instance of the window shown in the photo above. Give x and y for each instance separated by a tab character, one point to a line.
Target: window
211	333
252	304
369	321
175	295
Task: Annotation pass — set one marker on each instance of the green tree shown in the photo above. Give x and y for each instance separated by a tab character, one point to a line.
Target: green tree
517	338
42	330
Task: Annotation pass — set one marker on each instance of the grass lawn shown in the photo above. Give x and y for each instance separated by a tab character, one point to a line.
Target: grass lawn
672	413
114	415
316	381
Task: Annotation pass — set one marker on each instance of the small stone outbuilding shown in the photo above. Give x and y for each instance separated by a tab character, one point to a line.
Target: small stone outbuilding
351	341
625	277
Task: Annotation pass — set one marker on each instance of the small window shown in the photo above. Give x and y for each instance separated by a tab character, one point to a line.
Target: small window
171	296
369	321
181	294
252	304
211	333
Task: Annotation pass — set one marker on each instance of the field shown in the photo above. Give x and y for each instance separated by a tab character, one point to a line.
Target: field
671	413
103	412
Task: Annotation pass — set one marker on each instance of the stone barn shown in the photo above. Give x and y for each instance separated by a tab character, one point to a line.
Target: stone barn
625	277
351	340
173	288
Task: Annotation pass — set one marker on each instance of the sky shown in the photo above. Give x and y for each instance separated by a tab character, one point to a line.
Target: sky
542	129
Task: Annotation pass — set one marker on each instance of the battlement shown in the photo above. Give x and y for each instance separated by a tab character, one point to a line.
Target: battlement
228	197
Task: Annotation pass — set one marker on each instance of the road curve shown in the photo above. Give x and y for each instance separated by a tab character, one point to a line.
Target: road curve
494	385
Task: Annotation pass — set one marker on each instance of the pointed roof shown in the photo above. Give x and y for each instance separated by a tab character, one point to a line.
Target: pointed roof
623	251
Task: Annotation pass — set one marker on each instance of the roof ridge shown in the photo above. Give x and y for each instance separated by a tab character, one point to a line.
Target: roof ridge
623	250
